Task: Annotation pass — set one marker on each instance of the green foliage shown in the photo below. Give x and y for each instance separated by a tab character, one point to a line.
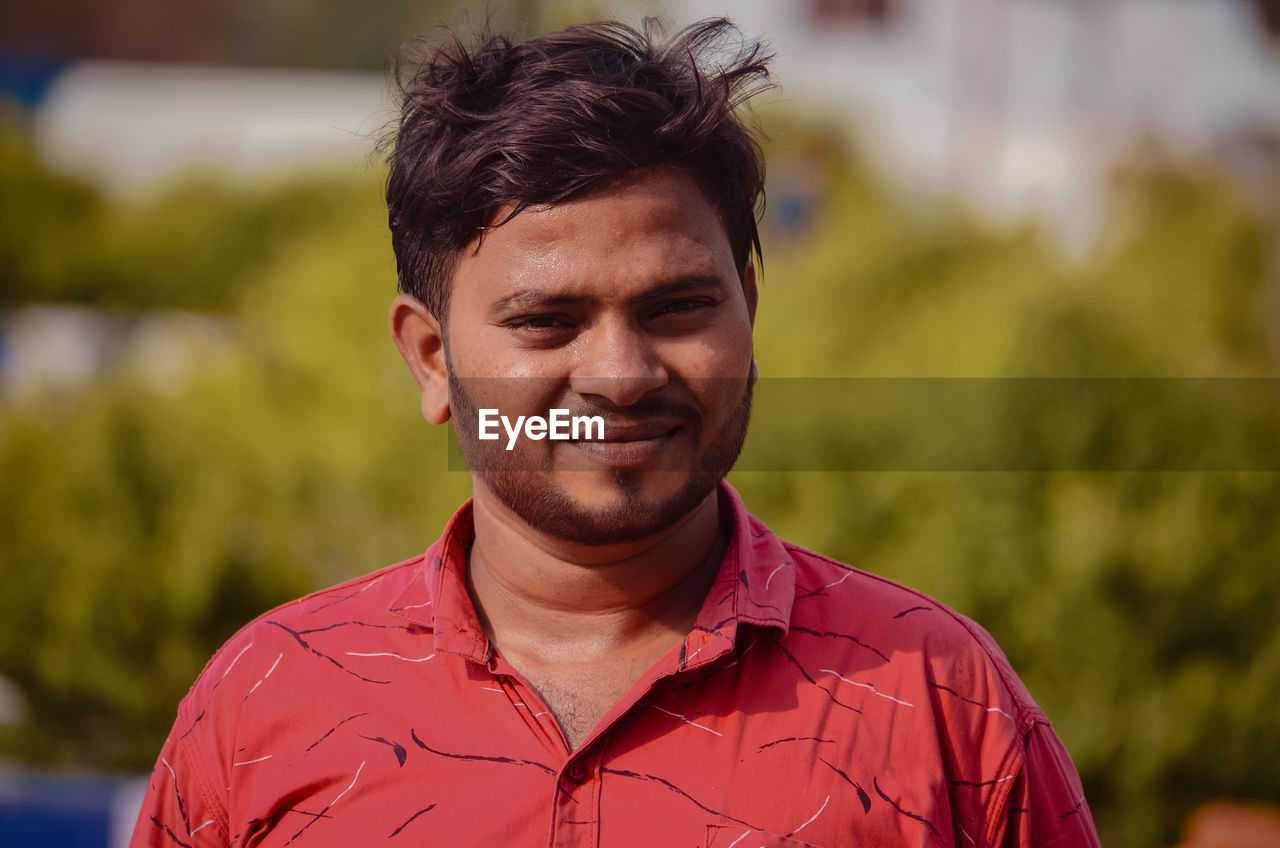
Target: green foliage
194	248
144	522
41	211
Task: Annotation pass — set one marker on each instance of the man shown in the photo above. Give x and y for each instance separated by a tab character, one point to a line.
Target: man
604	647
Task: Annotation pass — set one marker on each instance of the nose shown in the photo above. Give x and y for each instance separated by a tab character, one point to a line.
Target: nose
619	363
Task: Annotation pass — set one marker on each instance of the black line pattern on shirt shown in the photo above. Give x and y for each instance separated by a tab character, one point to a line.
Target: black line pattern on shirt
949	690
715	628
170	833
913	609
978	784
863	797
809	678
330	731
1069	813
193	725
409	821
266	823
322	814
401	753
881	654
307	645
408	628
330	603
227	671
876	784
821	589
182	807
315	818
793	739
676	789
479	757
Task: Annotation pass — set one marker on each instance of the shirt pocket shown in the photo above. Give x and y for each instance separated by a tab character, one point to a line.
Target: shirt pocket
739	836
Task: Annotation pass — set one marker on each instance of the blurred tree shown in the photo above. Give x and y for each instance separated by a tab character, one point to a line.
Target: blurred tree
192	249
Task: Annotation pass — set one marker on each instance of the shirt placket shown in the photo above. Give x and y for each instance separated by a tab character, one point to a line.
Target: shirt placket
576	816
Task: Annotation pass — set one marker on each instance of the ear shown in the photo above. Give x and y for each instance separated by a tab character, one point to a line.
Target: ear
420	340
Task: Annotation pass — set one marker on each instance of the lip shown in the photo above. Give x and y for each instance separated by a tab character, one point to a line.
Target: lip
630	445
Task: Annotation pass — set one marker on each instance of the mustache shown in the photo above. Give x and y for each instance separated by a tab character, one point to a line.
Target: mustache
645	409
662	404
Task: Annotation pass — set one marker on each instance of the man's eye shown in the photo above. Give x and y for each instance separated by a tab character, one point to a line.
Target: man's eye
676	307
539	322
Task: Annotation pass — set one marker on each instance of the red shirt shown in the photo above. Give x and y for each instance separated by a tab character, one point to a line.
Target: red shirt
812	704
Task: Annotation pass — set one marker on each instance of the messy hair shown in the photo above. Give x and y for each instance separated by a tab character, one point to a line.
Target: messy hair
514	124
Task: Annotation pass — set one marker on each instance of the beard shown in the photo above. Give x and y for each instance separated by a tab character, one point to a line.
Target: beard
528	486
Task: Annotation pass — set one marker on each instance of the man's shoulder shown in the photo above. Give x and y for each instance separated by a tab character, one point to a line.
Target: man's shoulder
361	602
870	617
829	588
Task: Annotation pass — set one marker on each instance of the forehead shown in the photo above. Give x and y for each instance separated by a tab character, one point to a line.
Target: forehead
651	225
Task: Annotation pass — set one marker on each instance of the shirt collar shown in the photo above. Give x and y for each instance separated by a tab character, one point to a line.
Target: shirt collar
755	585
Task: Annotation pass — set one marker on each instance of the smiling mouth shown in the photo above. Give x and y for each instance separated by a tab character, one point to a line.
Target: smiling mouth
629	446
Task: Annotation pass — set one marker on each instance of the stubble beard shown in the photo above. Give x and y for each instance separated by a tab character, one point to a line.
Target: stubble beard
529	489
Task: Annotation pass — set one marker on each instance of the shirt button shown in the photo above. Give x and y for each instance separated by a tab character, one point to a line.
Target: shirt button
576	772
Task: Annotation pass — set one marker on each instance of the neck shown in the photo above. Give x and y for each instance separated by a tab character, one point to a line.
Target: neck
545	599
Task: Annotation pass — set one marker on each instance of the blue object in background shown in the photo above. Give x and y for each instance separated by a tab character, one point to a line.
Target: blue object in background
39	811
27	77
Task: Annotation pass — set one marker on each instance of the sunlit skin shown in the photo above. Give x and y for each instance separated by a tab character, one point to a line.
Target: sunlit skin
626	302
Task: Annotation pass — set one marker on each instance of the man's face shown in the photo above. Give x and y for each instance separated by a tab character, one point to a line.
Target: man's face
623	303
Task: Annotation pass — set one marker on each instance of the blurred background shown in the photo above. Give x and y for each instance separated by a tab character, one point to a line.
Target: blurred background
201	415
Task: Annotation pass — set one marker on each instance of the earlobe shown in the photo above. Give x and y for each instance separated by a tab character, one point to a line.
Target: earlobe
420	340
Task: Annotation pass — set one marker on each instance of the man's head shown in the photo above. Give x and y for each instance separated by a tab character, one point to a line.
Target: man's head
508	125
573	220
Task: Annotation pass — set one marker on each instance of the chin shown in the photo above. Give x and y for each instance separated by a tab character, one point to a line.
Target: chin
601	508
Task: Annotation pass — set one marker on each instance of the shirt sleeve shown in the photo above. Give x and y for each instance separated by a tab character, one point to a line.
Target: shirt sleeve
1046	807
174	812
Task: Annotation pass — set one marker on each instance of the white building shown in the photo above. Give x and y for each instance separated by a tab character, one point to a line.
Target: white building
1022	106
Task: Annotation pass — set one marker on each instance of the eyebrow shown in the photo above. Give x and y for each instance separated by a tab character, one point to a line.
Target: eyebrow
535	299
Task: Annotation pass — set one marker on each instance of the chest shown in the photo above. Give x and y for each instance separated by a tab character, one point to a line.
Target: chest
463	757
580	696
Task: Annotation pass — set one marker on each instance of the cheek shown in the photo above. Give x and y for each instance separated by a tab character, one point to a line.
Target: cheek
488	353
725	355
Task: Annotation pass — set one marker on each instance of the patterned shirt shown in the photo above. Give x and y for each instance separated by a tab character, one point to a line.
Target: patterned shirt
811	704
